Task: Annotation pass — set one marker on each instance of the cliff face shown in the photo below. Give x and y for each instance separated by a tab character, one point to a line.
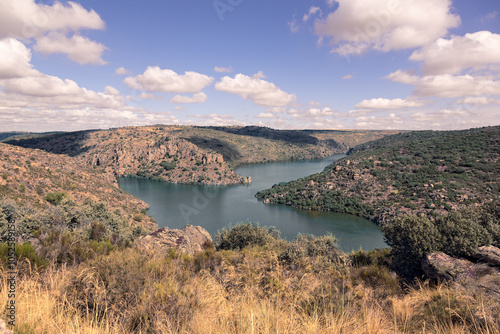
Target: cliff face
164	158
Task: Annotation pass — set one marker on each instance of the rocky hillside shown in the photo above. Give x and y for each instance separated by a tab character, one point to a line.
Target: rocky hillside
185	154
34	178
421	173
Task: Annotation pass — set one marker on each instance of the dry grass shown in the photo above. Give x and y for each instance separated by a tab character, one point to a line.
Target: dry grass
247	291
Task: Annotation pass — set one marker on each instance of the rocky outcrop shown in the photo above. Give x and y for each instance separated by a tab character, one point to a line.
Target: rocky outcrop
442	266
483	276
190	240
489	255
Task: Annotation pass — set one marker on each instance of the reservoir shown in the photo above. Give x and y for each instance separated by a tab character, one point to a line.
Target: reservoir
216	207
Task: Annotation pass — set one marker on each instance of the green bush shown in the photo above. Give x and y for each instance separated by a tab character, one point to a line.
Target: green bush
55	198
168	165
244	235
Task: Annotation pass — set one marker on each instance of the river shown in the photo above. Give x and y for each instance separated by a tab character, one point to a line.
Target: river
213	207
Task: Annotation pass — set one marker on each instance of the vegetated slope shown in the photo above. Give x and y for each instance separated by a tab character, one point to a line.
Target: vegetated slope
185	154
421	173
35	179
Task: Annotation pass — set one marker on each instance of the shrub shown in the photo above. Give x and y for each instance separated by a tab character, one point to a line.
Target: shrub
244	235
411	239
55	198
310	246
168	165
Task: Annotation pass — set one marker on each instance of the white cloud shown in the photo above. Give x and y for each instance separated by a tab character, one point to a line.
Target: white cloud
348	76
49	26
122	71
266	115
452	56
489	17
382	103
155	79
27	19
450	86
391	121
478	100
357	26
312	11
259	91
145	96
15	59
79	49
294	27
403	77
223	69
197	98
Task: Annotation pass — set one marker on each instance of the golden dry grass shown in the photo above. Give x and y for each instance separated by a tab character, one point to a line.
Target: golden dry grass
246	291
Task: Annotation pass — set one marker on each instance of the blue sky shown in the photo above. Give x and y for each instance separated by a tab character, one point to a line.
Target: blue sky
348	64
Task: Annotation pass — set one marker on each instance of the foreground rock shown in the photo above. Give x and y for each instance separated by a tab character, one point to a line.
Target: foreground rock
483	276
489	255
190	240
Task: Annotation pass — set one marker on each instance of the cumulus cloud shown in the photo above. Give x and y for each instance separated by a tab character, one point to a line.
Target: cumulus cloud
223	69
452	56
259	91
155	79
78	48
357	26
122	71
449	86
382	103
15	59
49	26
27	19
196	98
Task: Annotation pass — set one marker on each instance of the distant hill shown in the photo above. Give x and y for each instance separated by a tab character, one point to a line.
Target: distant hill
422	173
186	154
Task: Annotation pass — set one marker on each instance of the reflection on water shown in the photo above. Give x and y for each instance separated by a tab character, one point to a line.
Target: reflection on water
212	207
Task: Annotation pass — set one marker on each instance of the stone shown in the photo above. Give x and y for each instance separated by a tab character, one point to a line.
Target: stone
189	240
489	255
443	266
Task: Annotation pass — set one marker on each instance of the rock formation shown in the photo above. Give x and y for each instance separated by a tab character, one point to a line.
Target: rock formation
483	276
190	240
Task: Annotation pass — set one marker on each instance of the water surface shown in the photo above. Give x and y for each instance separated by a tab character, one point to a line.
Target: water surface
213	207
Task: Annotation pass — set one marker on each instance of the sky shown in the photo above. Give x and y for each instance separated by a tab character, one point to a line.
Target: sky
286	64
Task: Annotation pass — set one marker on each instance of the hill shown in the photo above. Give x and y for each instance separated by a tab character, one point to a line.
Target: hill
33	182
185	154
421	173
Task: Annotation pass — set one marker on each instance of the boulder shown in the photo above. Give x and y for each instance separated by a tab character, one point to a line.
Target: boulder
440	265
190	240
489	255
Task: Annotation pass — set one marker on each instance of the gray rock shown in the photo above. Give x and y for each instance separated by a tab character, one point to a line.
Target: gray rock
489	255
190	240
440	265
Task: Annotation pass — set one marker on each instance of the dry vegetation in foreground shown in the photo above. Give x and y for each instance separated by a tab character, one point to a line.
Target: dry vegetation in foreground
258	285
